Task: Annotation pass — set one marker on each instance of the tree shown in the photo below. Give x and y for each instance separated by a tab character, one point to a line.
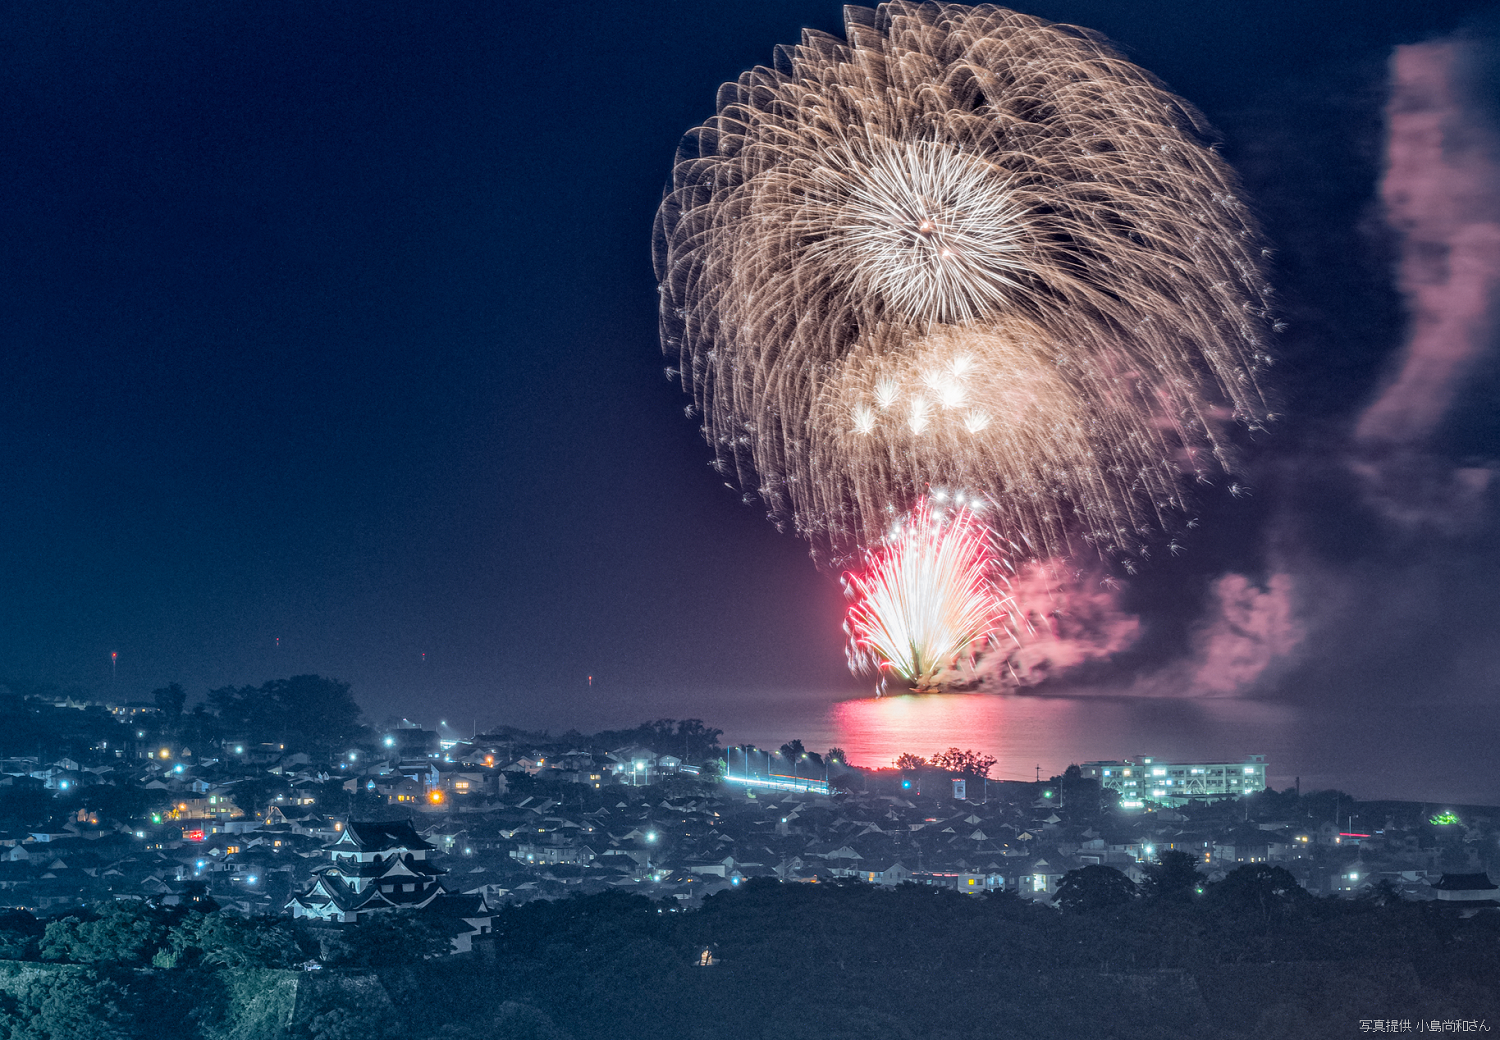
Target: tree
221	940
1173	877
1094	888
835	756
119	802
697	739
343	1016
26	804
19	934
169	700
83	1005
792	751
688	738
255	793
524	1022
1258	887
1455	859
388	937
969	763
909	763
1383	894
305	709
513	1021
197	727
125	932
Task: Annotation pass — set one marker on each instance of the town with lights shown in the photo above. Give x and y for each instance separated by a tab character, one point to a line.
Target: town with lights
309	845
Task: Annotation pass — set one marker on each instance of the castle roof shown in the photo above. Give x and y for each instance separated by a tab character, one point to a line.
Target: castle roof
380	837
1465	883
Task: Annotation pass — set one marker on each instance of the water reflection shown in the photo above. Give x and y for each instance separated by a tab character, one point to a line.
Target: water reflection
1026	732
1417	749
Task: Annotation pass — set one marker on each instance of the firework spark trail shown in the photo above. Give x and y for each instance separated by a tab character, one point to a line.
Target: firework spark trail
963	248
924	599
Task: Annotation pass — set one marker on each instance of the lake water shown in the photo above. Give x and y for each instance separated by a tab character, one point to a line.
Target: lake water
1416	751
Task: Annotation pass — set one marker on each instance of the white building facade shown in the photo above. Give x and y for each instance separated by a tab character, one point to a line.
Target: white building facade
1144	782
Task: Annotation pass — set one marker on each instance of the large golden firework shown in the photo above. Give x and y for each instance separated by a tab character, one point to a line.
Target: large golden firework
969	249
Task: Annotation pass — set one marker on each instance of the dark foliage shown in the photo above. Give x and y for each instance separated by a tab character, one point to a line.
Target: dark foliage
854	961
834	961
30	724
400	937
169	700
20	935
1259	888
967	763
305	711
1094	888
688	739
1173	877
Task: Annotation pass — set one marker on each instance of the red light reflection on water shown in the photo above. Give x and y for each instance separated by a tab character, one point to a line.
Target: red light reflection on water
1025	732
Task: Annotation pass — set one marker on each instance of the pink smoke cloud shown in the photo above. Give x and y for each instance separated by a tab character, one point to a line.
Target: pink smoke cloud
1061	618
1064	618
1441	193
1248	629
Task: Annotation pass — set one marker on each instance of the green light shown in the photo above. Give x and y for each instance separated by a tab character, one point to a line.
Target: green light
1443	819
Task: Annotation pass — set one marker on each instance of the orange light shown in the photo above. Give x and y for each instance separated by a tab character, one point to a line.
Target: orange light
165	753
436	797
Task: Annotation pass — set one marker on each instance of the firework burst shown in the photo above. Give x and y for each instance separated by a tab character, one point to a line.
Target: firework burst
962	247
926	599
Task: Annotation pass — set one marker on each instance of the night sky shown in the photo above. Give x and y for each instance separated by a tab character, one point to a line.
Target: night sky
329	342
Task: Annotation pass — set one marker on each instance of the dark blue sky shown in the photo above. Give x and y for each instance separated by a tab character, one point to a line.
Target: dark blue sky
335	324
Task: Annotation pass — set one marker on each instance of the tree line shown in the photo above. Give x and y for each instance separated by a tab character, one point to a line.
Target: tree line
1247	956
